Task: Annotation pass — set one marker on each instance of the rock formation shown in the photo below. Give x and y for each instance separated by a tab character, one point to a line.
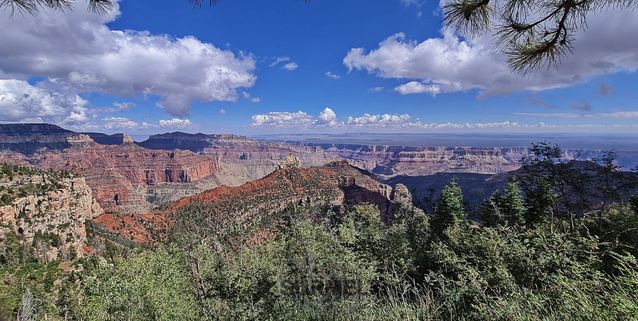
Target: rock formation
49	217
127	177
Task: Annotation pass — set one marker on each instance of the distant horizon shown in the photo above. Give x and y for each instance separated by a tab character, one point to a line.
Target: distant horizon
570	140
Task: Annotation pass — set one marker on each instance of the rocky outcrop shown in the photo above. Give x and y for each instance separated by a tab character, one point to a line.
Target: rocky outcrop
401	195
51	223
291	161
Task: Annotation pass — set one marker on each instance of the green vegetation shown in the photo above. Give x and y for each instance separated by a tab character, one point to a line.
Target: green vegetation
526	255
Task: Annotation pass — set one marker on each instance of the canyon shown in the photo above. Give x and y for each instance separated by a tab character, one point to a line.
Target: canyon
135	177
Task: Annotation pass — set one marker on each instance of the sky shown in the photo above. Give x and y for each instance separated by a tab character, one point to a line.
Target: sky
286	66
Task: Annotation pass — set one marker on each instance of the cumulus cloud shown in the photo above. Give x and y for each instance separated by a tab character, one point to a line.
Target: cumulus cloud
452	64
385	120
175	122
77	52
22	102
416	87
328	117
300	119
282	119
332	75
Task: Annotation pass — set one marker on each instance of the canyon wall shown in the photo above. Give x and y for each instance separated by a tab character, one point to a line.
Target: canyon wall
253	159
129	178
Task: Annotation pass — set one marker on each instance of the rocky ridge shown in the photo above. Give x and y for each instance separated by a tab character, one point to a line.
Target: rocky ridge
335	185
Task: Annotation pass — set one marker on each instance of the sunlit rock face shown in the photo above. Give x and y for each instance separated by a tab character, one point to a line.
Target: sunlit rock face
52	224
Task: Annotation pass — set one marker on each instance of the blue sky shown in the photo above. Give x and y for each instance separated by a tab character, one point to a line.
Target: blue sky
287	66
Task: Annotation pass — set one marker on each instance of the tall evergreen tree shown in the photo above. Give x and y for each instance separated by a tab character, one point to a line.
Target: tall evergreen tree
512	205
505	209
541	203
449	210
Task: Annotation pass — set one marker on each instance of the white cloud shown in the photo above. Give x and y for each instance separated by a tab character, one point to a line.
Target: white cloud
22	102
277	60
450	64
255	100
222	111
405	122
385	120
175	122
415	87
328	117
282	119
78	53
377	89
300	119
290	66
332	75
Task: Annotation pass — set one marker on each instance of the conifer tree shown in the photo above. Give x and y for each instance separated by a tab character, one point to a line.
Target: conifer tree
512	206
541	202
449	210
